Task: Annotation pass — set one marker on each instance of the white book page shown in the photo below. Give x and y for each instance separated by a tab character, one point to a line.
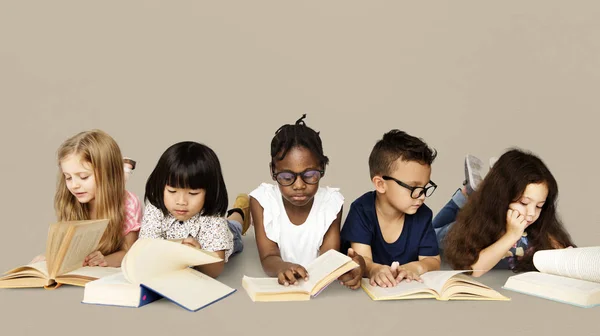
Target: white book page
578	263
437	279
271	285
401	289
148	258
114	279
189	288
324	265
93	272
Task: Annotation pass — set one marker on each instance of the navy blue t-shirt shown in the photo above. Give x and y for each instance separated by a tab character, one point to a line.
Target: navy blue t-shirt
362	226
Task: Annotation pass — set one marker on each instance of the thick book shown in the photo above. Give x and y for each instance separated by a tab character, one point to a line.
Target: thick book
570	276
153	269
439	285
67	246
321	272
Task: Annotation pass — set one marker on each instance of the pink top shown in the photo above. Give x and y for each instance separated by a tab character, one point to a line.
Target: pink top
133	214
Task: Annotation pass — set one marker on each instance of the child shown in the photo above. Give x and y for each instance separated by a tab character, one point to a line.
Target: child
186	199
506	217
92	185
391	226
297	220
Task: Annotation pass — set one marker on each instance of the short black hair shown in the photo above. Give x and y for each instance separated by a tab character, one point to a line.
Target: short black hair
396	144
190	165
289	136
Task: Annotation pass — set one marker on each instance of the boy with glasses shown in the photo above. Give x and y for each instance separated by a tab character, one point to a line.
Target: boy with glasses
390	227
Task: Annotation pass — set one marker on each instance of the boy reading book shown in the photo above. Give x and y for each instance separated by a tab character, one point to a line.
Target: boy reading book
392	223
68	244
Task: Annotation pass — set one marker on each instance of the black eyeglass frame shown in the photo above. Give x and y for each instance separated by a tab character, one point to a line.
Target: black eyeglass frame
301	174
412	189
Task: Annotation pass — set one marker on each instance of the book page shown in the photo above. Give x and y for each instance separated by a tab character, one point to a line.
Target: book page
38	268
81	240
189	288
113	279
554	287
56	235
23	282
271	285
92	272
578	263
324	265
437	279
149	257
558	282
402	289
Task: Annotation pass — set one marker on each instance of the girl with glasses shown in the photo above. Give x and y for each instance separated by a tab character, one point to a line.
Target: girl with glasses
296	220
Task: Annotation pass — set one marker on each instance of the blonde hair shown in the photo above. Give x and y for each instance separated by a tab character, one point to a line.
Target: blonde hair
101	151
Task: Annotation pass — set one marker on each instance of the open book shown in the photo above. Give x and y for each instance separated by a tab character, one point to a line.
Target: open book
67	246
439	285
156	268
566	275
321	272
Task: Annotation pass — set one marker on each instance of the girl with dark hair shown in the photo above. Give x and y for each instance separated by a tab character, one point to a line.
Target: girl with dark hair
508	217
186	199
296	220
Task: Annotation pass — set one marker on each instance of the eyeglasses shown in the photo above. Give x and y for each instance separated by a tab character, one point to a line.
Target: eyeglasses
309	176
415	192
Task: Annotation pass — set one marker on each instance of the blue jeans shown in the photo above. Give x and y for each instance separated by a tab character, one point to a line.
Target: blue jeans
236	228
444	220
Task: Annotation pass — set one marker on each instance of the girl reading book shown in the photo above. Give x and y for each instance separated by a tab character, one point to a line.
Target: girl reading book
296	220
186	199
506	218
91	185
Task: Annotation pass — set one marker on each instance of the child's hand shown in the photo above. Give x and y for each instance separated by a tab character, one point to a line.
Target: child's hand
515	223
39	258
190	241
95	259
383	276
403	272
352	279
290	274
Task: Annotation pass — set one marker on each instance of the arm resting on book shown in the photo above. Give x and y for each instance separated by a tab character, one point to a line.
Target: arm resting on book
381	275
491	255
424	264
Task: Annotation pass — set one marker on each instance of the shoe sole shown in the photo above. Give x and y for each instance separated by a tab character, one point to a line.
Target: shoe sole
473	167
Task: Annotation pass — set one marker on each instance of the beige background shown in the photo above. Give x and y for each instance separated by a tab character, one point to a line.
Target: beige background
467	76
